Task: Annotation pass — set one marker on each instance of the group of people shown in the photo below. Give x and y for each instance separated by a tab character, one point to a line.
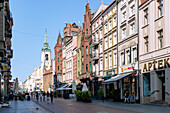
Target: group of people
44	96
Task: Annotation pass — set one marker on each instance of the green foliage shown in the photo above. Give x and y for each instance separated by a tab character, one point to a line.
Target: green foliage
100	93
83	95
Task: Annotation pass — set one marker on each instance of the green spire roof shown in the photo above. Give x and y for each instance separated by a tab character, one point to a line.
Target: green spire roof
46	47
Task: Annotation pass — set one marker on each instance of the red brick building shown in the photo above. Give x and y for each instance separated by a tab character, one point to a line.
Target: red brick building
86	50
58	60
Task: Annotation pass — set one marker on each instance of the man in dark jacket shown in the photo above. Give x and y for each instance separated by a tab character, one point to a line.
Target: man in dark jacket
51	95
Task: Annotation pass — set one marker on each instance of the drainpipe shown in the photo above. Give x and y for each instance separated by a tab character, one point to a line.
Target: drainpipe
138	51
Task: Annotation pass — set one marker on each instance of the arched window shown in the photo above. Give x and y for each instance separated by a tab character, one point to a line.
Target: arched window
46	57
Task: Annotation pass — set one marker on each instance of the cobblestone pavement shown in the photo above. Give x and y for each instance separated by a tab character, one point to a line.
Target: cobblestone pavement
24	107
134	107
69	106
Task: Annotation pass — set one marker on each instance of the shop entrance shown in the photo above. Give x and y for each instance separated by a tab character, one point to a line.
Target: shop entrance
161	75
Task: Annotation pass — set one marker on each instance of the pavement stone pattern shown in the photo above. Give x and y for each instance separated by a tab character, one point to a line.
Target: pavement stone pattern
24	107
70	106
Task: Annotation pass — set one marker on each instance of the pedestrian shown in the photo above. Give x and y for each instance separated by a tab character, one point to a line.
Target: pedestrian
37	96
48	96
51	95
41	96
126	97
44	96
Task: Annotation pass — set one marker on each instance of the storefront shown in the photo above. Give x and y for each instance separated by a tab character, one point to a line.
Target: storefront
125	81
155	81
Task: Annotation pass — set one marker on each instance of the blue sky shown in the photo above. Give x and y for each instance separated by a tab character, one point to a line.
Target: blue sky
31	18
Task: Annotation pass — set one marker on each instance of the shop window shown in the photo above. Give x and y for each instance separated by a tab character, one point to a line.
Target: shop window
146	85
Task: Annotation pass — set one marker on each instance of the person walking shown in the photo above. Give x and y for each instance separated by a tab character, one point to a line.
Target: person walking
48	96
37	96
51	95
126	97
44	96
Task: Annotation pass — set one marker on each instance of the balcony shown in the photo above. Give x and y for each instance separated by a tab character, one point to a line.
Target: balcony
95	56
95	42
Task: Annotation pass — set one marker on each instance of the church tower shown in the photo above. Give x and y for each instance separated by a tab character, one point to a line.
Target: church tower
45	56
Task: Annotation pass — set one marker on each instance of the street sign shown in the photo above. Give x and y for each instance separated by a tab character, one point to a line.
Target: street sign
133	73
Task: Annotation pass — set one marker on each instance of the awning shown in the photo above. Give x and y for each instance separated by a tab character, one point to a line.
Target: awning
115	78
107	77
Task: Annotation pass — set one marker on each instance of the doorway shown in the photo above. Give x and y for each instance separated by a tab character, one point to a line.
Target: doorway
161	75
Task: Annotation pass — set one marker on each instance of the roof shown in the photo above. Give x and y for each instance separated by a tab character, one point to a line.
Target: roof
46	47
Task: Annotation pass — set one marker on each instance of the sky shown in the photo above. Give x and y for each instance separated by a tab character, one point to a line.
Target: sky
31	18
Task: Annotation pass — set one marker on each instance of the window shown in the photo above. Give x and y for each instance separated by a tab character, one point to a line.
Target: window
132	10
86	50
106	45
90	49
146	85
146	16
146	44
132	29
110	25
90	67
123	16
135	54
114	38
106	28
65	34
97	24
110	60
114	21
123	33
97	38
82	68
86	32
123	58
101	48
74	33
100	33
110	41
160	8
101	64
58	59
86	67
58	68
46	56
115	59
160	39
128	57
58	54
106	62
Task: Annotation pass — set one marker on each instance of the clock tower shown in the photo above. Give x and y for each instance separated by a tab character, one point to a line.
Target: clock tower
45	55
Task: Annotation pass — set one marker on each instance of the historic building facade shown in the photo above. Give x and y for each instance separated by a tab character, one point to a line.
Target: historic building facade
58	61
154	50
86	49
97	45
128	46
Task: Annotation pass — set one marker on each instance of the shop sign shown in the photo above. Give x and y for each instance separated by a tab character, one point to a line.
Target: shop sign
157	64
110	73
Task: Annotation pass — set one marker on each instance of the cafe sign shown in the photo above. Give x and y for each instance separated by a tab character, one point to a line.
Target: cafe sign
156	64
110	73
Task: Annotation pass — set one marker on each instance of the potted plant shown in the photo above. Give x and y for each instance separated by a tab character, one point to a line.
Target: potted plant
100	94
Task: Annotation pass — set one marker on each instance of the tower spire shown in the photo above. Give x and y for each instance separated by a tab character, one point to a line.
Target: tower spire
46	46
45	36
